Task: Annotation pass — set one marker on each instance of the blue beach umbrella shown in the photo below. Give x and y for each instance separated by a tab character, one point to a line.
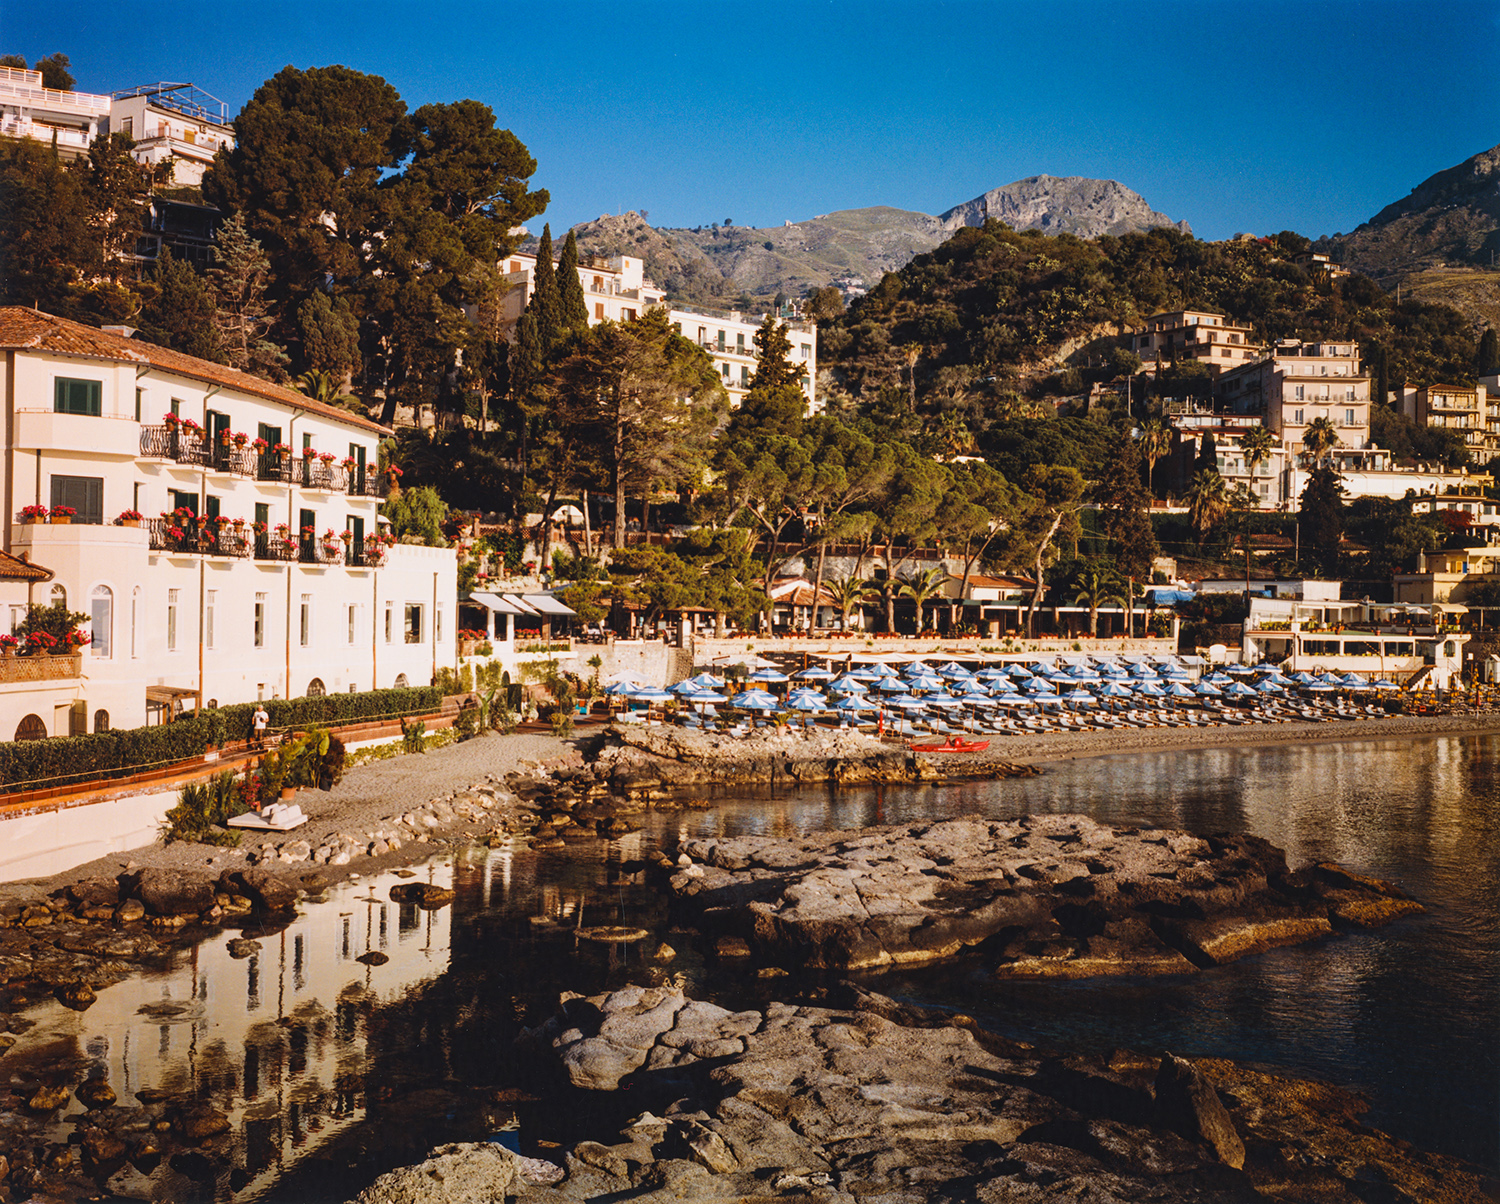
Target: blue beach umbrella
847	683
1175	689
1150	689
806	700
1113	689
815	673
1206	689
622	688
1238	690
852	704
651	694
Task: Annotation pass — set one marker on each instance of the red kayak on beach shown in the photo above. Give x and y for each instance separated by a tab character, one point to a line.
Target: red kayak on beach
953	746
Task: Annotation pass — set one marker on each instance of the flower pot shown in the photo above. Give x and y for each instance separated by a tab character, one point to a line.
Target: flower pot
130	522
7	651
61	520
288	793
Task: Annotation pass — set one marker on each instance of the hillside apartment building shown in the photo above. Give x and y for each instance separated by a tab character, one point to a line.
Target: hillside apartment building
1283	388
616	289
239	583
69	121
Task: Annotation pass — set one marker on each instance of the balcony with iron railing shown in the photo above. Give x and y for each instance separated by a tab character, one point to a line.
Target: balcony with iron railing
199	537
190	446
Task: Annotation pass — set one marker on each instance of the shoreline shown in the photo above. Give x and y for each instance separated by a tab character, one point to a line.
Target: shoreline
373	792
1039	750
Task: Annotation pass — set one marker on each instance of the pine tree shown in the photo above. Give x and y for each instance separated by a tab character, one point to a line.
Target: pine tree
242	315
546	302
775	404
180	311
574	308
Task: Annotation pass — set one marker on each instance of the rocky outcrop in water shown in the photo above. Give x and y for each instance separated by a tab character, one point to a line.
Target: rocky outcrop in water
1047	896
875	1102
653	760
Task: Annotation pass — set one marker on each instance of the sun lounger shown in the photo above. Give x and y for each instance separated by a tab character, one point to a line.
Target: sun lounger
278	817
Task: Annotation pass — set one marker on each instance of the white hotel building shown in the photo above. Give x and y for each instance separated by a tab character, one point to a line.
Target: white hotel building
216	606
617	290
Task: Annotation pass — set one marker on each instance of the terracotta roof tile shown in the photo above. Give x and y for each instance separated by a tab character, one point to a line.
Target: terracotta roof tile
16	568
32	330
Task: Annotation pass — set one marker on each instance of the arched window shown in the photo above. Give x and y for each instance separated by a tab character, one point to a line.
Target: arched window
316	689
31	728
401	682
101	721
59	596
102	620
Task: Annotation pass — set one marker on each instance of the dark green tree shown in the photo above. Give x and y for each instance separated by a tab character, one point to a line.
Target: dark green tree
775	404
1489	353
647	397
311	150
46	244
241	276
180	309
330	334
1322	518
55	72
572	305
545	305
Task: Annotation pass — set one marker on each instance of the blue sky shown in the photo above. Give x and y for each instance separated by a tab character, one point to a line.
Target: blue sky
1251	117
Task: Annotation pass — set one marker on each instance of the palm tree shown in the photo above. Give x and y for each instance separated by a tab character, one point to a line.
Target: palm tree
1156	441
921	588
329	389
1097	587
1256	443
1320	437
1207	500
848	593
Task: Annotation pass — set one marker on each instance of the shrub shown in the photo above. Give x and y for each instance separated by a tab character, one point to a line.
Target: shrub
60	759
202	807
466	722
412	733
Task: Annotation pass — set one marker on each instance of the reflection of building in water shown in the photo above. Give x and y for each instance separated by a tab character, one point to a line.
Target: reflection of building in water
277	1040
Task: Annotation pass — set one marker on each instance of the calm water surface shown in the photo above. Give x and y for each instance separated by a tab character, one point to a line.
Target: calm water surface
332	1071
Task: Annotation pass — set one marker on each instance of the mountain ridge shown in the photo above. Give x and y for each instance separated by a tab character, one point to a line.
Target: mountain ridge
855	247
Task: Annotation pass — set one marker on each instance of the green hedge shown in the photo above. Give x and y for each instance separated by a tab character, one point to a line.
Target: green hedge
59	760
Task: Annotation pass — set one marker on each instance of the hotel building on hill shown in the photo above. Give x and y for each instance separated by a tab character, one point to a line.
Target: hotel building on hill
257	570
616	289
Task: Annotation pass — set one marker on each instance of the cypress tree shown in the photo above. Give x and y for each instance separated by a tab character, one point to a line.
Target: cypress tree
1489	352
546	304
574	309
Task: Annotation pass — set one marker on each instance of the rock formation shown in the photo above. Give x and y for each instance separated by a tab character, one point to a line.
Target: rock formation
875	1102
1048	896
1062	205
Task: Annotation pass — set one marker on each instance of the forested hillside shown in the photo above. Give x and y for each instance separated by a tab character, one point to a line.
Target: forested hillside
994	320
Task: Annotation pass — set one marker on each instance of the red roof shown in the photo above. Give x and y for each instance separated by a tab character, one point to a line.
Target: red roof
31	330
19	568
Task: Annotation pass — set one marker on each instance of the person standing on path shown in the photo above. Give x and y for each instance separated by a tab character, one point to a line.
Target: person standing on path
258	721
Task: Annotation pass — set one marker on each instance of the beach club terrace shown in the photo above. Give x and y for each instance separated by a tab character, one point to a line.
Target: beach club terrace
1403	644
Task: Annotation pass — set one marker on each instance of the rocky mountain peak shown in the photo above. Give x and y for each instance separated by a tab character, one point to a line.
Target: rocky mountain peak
1062	204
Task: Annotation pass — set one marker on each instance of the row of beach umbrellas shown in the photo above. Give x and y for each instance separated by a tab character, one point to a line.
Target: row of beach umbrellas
919	686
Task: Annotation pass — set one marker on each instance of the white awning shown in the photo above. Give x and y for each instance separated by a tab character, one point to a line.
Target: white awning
496	603
546	604
1450	608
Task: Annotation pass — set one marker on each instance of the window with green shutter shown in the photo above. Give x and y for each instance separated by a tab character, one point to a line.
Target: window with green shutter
78	397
